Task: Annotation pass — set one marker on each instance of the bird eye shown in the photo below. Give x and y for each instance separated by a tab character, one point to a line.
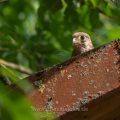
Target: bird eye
82	37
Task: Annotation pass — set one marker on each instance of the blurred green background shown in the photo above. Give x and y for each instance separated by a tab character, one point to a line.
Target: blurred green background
38	33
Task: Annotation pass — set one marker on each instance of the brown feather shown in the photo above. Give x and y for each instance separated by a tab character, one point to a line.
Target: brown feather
81	43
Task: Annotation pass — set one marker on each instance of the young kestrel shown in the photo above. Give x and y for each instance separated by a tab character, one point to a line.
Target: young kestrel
81	43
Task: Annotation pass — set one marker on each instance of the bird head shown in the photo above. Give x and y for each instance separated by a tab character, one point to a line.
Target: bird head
82	42
80	37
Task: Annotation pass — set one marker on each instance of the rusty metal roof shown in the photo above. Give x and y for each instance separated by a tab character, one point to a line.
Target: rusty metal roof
78	82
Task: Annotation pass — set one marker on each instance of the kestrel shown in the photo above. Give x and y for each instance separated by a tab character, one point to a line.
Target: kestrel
81	43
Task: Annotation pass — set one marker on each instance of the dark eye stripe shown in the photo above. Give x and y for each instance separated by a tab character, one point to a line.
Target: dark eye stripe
82	37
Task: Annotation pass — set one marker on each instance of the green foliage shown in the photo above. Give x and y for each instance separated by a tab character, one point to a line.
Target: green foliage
14	105
23	84
38	33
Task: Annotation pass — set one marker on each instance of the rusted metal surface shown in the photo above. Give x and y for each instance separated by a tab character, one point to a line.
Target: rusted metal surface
106	107
77	82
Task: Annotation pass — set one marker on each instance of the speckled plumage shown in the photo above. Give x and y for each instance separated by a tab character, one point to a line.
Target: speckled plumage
81	43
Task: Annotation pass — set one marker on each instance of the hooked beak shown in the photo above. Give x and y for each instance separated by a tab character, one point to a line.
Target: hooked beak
75	41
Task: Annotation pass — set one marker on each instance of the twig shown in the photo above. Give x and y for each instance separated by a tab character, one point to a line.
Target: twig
102	12
16	67
3	1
